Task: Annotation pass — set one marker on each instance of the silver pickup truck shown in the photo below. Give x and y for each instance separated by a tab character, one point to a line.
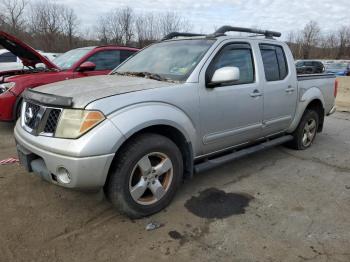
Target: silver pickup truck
180	106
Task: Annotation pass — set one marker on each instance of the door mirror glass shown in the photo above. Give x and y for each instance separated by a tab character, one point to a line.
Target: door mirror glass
225	75
86	66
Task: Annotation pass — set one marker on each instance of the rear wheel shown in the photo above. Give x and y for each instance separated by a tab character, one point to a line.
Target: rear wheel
145	176
306	132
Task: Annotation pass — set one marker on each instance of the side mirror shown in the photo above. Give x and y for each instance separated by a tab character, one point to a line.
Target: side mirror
225	75
86	66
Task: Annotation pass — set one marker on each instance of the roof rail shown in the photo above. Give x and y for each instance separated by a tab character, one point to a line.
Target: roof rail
269	34
177	34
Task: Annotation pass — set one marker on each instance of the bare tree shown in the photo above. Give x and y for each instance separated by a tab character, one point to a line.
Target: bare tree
152	27
13	15
126	23
147	29
343	40
70	24
171	22
311	34
52	25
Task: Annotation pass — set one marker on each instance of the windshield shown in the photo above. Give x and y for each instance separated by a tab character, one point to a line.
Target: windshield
68	59
173	60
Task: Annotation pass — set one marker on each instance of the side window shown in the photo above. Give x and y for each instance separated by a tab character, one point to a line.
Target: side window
237	55
8	58
308	63
275	62
124	54
105	60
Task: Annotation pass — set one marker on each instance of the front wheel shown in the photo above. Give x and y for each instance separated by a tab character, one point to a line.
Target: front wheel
145	176
306	131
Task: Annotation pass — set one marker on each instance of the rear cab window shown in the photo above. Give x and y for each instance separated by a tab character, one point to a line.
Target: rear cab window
275	62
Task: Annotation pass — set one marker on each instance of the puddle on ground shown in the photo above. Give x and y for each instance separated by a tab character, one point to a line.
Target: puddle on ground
215	203
175	235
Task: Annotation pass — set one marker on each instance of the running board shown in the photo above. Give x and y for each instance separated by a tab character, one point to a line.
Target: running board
212	163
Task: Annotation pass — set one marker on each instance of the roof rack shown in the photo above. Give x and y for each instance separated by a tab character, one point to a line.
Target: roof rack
177	34
223	30
269	34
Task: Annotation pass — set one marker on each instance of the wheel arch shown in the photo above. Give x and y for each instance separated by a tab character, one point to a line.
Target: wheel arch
174	134
317	106
312	98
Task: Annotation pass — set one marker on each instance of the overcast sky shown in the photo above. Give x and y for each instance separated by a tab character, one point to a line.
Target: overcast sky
280	15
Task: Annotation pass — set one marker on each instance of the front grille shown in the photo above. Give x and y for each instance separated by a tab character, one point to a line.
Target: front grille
39	119
33	115
52	121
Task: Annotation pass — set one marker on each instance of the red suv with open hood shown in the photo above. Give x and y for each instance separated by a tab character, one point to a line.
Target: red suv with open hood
81	62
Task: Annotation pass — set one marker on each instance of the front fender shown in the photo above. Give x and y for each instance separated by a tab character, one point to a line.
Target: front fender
133	119
306	96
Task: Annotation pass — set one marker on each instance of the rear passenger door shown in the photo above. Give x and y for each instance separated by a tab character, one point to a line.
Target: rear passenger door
280	89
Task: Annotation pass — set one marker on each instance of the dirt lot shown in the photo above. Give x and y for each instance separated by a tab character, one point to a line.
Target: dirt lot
343	99
279	205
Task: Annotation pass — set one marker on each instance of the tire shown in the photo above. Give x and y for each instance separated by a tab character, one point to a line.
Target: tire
302	138
145	176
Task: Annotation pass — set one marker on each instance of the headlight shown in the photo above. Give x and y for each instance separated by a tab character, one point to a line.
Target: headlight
74	123
6	87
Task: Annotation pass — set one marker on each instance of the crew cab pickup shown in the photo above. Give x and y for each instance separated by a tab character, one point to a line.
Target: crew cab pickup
77	63
183	105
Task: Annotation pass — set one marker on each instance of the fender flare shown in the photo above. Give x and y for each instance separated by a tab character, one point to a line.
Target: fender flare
305	99
132	119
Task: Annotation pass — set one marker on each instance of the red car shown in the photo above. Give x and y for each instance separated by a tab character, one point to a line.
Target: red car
81	62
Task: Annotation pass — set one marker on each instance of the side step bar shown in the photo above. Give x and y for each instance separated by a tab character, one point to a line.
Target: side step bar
212	163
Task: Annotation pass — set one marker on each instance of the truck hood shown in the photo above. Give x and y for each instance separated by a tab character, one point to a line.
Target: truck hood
85	90
28	55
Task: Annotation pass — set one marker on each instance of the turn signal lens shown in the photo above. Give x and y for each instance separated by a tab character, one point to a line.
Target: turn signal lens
75	123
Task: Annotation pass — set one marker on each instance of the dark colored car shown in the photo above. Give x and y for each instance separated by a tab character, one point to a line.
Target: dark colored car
81	62
310	67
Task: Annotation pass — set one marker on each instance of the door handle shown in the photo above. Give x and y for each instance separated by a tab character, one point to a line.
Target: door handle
256	93
290	89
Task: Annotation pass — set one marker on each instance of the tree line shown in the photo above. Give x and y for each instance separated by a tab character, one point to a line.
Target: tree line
54	27
50	26
311	42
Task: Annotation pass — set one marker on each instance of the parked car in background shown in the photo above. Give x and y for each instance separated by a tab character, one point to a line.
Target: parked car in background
309	67
339	69
9	61
81	62
183	105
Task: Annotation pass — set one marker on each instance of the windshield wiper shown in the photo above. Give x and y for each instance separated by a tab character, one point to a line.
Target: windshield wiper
145	75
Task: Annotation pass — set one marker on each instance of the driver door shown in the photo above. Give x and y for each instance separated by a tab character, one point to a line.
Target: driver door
231	113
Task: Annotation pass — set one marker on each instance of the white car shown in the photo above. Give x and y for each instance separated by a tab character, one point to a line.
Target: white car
9	61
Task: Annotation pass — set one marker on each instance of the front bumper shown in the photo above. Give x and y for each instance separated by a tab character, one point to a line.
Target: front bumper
7	104
86	172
